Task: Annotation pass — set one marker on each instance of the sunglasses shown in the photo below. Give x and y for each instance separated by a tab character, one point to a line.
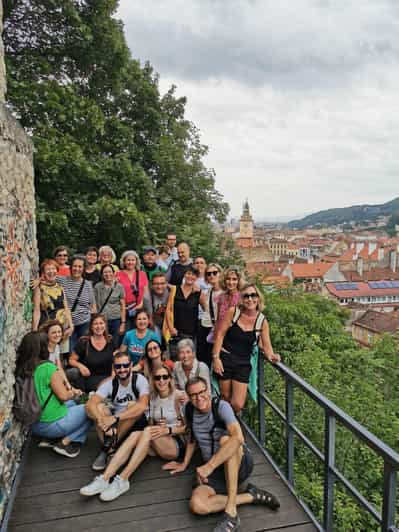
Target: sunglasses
195	396
62	255
252	295
213	272
161	377
153	348
120	366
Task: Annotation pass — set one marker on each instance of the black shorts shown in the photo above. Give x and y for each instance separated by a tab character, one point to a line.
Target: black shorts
217	480
181	447
236	367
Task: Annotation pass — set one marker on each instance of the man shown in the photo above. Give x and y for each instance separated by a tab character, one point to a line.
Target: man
149	264
178	269
171	243
155	300
128	395
227	460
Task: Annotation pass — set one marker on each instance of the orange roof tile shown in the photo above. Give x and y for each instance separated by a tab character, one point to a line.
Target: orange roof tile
317	269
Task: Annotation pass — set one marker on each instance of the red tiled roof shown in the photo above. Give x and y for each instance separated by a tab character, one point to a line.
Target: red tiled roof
317	269
363	290
379	322
376	274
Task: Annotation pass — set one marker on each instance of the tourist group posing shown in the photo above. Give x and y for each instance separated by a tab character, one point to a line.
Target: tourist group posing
157	352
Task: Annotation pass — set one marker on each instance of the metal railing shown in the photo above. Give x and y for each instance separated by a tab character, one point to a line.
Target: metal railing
332	416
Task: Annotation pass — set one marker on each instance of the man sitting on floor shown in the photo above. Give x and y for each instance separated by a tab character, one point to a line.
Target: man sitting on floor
227	459
127	395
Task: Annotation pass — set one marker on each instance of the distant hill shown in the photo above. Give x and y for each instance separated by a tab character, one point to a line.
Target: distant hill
356	213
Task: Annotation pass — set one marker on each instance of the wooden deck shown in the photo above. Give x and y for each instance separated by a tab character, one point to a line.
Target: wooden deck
48	499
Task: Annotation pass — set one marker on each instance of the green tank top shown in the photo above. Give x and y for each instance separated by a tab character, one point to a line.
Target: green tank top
55	409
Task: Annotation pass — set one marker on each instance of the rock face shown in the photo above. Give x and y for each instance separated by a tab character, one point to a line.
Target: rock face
18	260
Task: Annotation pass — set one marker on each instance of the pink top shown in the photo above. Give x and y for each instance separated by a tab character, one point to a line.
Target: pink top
226	301
129	286
64	271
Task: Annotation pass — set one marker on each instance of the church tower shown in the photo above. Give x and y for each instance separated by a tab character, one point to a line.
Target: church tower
246	222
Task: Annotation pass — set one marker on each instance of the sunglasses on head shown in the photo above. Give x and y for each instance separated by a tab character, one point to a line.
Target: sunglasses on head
161	377
252	295
124	365
213	272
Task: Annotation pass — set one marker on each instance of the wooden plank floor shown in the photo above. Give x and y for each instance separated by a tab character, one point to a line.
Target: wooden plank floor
48	499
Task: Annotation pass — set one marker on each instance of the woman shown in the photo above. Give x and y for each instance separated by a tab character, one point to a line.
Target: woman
61	418
188	367
181	316
231	285
235	340
209	316
134	283
61	258
92	356
162	437
110	301
49	300
106	255
80	297
54	332
92	273
153	358
134	341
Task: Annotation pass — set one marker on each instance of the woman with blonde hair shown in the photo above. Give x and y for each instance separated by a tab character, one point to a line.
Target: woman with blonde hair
106	255
162	437
232	282
243	326
134	283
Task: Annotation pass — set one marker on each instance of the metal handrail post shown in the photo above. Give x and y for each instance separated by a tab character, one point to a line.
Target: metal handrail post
261	401
289	434
329	464
389	497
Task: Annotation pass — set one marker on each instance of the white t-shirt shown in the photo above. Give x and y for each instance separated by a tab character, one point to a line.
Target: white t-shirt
54	356
124	393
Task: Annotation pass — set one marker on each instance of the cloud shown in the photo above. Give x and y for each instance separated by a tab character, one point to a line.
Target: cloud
298	106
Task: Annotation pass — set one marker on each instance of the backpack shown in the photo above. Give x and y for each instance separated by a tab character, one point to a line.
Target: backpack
115	386
26	407
260	318
217	420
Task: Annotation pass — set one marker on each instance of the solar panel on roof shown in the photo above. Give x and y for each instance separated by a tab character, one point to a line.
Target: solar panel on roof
345	286
373	284
395	284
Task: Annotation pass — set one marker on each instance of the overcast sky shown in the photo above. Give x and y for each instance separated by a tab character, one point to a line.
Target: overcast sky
297	100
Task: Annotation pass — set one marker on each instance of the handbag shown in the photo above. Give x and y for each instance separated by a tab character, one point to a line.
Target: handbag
211	335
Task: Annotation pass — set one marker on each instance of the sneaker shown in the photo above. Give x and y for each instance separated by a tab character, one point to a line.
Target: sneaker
100	463
71	450
263	497
117	487
98	485
227	523
47	444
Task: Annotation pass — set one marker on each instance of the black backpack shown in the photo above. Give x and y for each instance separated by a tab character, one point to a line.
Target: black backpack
217	420
26	406
115	386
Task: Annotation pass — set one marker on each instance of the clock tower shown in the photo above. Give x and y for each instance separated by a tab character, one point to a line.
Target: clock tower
246	222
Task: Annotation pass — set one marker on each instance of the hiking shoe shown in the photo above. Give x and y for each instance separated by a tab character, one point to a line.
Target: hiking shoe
117	487
227	523
96	486
263	497
71	450
100	463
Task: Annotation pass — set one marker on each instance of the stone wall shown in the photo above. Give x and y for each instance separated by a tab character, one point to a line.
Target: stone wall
18	260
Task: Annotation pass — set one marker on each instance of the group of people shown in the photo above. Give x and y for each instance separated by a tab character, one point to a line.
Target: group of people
158	354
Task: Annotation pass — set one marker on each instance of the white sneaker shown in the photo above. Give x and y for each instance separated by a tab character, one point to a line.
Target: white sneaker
117	487
98	485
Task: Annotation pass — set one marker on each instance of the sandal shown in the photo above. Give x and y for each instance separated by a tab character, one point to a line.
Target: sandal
227	523
263	497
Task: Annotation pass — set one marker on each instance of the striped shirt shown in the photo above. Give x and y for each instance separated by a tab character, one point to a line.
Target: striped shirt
81	314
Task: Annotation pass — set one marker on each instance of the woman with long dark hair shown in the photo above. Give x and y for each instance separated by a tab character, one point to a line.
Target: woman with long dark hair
61	418
110	299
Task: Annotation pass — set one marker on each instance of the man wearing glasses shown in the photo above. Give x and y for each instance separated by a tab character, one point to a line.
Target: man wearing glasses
227	460
156	299
127	396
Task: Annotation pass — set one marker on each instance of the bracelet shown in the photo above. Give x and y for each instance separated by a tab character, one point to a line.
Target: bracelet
123	322
216	356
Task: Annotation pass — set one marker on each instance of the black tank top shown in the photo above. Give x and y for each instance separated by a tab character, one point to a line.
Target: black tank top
238	341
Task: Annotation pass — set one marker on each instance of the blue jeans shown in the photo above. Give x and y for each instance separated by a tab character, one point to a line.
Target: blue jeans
74	425
113	329
78	331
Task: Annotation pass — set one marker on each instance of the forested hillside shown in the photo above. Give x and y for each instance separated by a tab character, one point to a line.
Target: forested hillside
308	332
116	162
